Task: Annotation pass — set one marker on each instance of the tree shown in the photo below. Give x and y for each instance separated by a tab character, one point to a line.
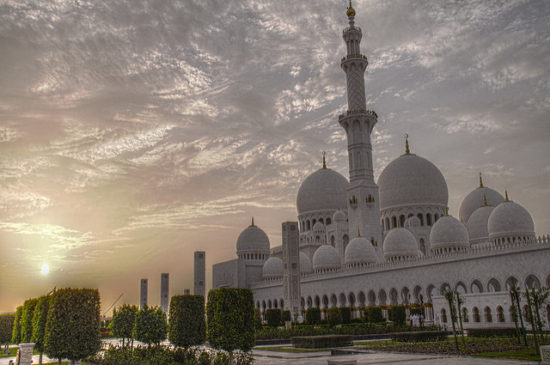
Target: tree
230	320
26	319
257	319
313	316
273	317
72	326
16	333
187	322
450	296
39	319
6	327
123	321
334	316
151	326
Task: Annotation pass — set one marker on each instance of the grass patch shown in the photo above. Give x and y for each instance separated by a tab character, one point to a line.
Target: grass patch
13	352
528	354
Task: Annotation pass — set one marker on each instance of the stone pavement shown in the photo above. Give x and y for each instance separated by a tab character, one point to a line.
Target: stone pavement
376	358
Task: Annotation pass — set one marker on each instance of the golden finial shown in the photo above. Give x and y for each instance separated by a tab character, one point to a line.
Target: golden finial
480	180
485	200
506	195
407	149
446	211
324	161
252	222
358	233
351	10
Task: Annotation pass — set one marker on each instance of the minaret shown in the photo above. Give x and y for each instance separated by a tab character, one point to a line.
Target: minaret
363	205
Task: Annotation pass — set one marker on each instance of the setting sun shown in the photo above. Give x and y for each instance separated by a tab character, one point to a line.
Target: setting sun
45	269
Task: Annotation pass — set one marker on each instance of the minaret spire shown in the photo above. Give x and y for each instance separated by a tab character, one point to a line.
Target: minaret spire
480	180
252	224
407	149
506	195
324	161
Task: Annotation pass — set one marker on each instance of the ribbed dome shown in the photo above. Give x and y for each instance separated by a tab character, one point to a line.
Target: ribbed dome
477	224
339	216
325	189
474	200
510	219
273	268
360	251
305	264
318	227
449	232
252	239
410	180
326	258
400	242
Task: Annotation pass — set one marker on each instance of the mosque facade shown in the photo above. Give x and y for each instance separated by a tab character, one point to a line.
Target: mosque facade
363	243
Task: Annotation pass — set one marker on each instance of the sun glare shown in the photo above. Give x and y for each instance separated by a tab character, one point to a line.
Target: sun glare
45	269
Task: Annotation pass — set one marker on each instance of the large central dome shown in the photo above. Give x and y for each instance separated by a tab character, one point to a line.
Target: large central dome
325	189
412	180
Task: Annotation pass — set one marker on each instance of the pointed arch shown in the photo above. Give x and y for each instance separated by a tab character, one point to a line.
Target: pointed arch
342	300
532	282
382	297
393	296
460	287
493	286
333	300
372	298
476	287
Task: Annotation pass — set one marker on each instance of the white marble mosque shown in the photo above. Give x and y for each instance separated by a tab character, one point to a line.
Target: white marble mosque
392	242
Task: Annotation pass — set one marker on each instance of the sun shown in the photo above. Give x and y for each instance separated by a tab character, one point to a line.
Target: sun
45	269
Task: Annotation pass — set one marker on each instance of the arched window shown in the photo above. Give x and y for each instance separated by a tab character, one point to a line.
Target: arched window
493	286
317	301
393	296
500	314
328	221
428	219
325	301
269	304
362	299
532	282
476	287
488	315
381	297
402	220
345	241
443	315
308	225
332	241
420	218
342	300
465	314
475	312
393	221
333	300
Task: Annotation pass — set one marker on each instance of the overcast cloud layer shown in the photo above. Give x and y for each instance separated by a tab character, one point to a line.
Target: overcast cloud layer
134	132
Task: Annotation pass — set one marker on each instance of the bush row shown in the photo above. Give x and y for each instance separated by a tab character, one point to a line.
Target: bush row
492	332
419	336
322	341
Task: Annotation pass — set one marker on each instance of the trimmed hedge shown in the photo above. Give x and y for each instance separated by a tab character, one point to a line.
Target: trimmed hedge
187	322
313	316
398	314
374	315
39	319
6	327
258	325
286	316
419	336
273	317
230	319
122	324
346	314
334	316
150	326
317	342
16	333
26	319
492	332
72	327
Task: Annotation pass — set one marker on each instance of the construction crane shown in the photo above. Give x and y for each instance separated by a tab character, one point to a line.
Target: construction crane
112	305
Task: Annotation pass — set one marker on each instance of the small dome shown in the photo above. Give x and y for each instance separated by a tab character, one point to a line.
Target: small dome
273	268
252	239
305	264
326	258
449	232
477	224
412	222
474	200
410	180
400	242
510	219
325	189
318	227
339	216
360	251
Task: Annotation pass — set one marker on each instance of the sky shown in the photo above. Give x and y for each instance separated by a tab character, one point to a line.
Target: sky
135	132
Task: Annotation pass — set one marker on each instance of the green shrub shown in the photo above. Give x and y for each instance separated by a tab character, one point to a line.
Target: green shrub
374	315
258	325
322	341
72	326
39	319
273	317
313	316
419	336
230	319
122	324
16	333
286	316
346	314
334	316
6	327
398	314
187	322
26	319
150	326
492	332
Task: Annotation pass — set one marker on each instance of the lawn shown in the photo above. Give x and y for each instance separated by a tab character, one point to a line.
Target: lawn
530	355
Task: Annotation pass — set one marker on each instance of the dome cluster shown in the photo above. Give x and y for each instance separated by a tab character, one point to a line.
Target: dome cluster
359	253
449	234
399	245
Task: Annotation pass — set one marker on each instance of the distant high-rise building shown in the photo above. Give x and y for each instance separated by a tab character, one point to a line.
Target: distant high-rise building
200	269
164	292
143	294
